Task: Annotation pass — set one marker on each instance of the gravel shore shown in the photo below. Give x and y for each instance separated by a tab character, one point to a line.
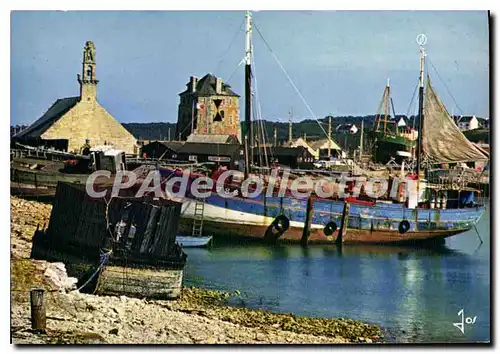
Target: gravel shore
198	317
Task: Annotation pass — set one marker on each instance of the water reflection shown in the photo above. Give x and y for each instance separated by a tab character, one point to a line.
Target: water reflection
416	290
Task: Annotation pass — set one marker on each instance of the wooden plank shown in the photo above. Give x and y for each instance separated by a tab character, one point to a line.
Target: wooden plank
38	313
150	229
343	225
307	223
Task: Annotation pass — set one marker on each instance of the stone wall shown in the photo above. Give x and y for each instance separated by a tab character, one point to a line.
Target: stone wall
89	120
204	116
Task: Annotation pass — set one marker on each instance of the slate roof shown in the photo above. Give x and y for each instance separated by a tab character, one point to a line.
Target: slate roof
206	87
210	149
465	119
172	145
56	111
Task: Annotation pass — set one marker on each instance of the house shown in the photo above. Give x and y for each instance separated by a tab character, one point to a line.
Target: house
347	128
230	155
162	150
208	106
323	145
484	123
468	123
294	157
302	142
318	148
79	121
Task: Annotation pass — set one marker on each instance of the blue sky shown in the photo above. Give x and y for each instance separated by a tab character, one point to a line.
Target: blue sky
339	60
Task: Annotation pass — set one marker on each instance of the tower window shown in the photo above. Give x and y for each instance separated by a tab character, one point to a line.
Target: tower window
89	72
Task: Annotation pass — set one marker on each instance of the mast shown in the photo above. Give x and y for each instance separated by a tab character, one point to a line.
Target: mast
248	90
361	139
275	136
387	95
329	135
421	40
290	127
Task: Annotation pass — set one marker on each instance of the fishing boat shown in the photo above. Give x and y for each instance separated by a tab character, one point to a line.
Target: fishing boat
391	142
440	208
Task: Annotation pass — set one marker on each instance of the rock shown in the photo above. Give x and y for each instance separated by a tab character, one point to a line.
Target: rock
114	331
368	340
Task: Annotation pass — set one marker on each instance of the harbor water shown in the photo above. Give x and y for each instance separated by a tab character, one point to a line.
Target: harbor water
415	294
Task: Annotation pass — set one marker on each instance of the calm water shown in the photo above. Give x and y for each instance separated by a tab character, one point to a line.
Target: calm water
413	293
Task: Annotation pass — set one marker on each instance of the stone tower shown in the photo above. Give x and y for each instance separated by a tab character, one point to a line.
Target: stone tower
208	106
87	79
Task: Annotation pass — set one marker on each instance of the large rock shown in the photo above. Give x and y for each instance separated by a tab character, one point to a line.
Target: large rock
56	274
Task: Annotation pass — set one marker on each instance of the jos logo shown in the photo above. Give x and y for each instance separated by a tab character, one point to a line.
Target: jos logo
468	320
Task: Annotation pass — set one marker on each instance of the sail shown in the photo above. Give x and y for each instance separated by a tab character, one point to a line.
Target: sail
442	140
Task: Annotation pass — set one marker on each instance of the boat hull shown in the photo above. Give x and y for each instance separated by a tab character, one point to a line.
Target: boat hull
193	241
238	218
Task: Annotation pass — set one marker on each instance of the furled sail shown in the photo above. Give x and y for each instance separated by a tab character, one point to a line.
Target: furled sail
442	140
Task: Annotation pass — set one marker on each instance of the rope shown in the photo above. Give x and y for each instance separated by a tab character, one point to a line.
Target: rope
290	80
230	45
263	132
235	70
447	89
103	259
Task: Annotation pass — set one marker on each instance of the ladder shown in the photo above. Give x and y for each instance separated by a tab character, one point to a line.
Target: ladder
199	209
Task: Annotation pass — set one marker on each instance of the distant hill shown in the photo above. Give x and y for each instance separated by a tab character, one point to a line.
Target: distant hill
308	127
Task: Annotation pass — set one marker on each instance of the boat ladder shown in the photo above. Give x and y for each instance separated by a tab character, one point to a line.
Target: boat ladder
199	209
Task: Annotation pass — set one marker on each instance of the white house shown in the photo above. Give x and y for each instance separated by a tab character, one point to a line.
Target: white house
468	123
347	128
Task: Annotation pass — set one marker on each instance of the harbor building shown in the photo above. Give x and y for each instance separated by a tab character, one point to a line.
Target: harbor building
208	106
73	123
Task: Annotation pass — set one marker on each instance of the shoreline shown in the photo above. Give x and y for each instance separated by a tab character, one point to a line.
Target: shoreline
199	316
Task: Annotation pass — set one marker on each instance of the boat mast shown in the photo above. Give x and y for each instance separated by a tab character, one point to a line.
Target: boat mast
387	95
248	90
421	40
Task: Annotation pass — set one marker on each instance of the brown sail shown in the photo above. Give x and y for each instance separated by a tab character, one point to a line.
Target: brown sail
442	140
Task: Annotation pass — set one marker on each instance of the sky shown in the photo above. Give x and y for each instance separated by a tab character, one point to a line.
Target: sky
339	60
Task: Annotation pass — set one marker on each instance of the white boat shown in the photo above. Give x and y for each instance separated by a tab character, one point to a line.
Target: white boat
193	241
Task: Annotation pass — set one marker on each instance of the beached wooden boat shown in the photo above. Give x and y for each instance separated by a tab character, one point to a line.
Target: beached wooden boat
125	246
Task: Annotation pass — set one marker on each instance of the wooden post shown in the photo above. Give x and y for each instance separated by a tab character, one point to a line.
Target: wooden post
38	316
343	225
307	222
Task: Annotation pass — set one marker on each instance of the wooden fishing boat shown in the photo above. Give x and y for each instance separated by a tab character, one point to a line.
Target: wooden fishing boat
123	246
430	215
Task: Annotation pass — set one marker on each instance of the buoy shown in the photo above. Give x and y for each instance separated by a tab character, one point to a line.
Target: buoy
404	226
330	228
281	224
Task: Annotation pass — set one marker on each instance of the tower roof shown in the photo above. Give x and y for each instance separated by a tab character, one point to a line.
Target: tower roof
206	86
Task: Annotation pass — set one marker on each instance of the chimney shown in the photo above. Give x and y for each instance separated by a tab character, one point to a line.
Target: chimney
193	80
218	85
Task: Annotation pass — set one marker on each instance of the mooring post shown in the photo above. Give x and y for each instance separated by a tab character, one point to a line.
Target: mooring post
307	222
38	315
343	225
